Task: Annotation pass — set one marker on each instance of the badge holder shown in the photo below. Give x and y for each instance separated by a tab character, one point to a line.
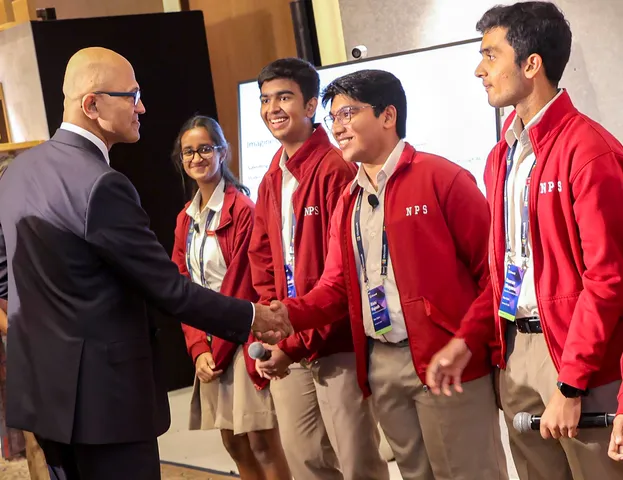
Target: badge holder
512	288
378	309
290	281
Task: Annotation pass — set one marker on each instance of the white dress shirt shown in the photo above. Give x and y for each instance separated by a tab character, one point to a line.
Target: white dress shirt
372	221
214	265
523	160
289	184
70	127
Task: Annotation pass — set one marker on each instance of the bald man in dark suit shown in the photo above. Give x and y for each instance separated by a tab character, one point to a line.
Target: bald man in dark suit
78	264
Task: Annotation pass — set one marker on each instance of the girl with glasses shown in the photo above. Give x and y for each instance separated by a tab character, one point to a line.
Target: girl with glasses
211	241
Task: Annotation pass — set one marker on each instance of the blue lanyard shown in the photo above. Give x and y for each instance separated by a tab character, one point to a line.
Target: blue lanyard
362	257
189	242
292	240
525	214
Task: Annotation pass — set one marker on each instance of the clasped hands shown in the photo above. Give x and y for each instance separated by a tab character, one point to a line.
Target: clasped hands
271	324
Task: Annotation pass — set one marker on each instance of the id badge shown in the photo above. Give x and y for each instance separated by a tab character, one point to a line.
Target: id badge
510	293
290	281
378	308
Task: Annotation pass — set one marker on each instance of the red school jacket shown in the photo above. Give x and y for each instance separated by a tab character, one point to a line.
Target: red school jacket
576	228
439	257
233	235
322	174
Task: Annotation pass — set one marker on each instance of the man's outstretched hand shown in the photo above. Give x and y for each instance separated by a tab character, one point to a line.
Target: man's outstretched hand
271	324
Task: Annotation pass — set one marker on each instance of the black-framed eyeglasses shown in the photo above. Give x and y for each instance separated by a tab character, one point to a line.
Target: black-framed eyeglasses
205	152
136	95
343	116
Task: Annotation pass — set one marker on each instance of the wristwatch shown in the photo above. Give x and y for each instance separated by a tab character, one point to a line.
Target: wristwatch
571	392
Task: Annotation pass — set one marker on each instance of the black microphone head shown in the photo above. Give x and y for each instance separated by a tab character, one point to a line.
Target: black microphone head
522	422
373	200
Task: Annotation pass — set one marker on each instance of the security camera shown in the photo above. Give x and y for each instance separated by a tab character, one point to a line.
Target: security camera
359	52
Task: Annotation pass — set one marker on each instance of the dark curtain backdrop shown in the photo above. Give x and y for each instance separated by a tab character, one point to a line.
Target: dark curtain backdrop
169	53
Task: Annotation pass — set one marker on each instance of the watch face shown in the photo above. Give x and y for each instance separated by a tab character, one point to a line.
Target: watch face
568	391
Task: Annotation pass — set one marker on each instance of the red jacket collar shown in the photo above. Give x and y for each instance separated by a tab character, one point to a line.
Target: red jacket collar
303	160
553	120
228	206
407	157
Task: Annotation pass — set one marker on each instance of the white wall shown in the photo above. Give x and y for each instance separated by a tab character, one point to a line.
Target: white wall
19	75
594	74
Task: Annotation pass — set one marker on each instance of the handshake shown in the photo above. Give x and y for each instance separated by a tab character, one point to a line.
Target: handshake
271	323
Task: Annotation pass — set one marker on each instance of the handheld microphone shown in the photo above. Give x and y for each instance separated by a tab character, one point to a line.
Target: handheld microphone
373	200
524	422
258	352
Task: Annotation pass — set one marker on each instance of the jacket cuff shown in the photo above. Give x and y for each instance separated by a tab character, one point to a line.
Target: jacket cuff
472	339
198	349
298	318
574	377
294	348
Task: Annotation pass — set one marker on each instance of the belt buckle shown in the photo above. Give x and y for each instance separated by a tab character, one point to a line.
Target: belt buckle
530	325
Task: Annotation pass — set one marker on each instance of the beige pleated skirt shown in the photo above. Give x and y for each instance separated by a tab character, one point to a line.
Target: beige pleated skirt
231	402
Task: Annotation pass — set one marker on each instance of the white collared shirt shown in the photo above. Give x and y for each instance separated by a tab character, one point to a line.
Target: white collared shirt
523	160
372	221
289	184
214	265
70	127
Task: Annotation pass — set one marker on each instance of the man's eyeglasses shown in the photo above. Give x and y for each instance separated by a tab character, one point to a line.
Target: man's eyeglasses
206	152
135	95
343	116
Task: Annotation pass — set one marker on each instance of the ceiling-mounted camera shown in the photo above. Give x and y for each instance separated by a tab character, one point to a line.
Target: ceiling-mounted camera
359	52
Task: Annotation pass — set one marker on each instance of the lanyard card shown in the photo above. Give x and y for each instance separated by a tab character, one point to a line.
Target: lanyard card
378	308
290	281
510	293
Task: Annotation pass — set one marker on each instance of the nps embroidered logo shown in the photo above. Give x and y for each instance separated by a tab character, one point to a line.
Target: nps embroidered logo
549	187
312	210
417	210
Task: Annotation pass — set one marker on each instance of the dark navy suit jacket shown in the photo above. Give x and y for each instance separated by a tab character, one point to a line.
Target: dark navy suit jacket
79	263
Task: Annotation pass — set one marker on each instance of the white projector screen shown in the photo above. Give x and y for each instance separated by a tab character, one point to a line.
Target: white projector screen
447	109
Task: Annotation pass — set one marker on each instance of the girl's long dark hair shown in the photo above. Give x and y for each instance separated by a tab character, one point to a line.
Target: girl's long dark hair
216	133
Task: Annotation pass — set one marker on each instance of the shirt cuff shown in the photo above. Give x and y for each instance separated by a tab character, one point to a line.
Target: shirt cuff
253	317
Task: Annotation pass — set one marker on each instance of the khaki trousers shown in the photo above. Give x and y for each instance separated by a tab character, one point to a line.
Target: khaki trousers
526	385
327	429
436	437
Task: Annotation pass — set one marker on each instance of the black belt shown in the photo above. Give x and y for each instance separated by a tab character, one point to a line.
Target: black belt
529	325
400	344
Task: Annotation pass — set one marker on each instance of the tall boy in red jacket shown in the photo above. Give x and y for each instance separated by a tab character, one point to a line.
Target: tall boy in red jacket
408	259
327	428
555	187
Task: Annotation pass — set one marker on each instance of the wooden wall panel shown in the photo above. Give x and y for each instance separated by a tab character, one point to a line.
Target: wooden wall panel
100	8
243	36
